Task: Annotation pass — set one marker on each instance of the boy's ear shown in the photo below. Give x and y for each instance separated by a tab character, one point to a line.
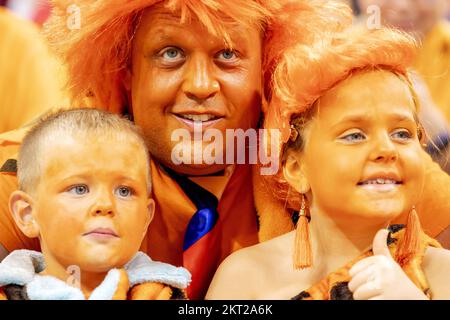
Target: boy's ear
293	173
21	208
150	213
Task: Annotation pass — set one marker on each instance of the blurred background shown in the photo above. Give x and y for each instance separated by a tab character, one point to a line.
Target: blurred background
31	79
34	10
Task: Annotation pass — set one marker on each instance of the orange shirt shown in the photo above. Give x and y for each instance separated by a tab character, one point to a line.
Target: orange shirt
237	216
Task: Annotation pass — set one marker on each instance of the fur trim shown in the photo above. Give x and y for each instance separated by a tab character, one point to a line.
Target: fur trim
22	267
274	218
142	269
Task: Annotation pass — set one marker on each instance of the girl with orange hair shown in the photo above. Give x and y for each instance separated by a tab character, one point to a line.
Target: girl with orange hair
352	164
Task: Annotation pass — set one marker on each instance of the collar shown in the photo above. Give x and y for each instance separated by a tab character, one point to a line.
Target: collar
215	183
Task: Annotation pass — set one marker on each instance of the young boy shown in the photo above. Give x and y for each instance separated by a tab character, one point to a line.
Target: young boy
85	192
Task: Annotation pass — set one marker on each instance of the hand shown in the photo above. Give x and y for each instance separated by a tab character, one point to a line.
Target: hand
380	278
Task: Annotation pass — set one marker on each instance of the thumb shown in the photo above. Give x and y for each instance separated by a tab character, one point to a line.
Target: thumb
379	245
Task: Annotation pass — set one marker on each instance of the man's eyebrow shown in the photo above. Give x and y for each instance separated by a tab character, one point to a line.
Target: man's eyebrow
159	33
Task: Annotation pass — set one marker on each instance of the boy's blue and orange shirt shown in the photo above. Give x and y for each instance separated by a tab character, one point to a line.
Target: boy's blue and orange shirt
238	217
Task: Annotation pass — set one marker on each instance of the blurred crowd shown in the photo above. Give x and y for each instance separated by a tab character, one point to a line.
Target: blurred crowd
34	10
31	81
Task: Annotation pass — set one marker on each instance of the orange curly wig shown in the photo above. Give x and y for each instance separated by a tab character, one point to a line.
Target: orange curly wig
306	72
98	53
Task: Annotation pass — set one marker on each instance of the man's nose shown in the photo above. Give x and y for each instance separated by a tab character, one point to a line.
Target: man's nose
384	149
200	82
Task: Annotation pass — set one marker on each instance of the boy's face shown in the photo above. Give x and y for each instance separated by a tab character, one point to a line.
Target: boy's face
180	73
91	203
362	155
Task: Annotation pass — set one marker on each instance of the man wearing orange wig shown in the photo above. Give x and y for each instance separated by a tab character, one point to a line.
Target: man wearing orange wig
169	65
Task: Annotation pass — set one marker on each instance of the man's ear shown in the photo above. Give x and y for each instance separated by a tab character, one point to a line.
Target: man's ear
127	84
293	172
21	208
126	78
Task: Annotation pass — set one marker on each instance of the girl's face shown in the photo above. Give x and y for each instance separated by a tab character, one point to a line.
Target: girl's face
362	155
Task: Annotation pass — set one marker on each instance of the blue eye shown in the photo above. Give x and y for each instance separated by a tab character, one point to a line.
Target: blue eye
124	192
172	53
228	54
227	57
353	137
79	189
402	135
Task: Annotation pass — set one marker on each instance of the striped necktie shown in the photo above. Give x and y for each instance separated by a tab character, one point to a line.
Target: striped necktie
201	246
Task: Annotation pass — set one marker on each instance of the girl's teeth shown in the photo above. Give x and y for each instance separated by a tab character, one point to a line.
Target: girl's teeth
380	181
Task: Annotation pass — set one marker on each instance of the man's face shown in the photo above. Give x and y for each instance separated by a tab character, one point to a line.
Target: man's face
92	204
418	16
181	74
362	155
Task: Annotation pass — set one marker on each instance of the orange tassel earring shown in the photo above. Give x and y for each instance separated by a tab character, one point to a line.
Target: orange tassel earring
302	246
410	243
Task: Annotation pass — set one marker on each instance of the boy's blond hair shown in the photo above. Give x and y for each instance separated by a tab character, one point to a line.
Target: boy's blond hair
82	123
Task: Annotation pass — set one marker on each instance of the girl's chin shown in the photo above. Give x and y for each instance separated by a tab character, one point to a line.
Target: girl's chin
373	214
379	216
